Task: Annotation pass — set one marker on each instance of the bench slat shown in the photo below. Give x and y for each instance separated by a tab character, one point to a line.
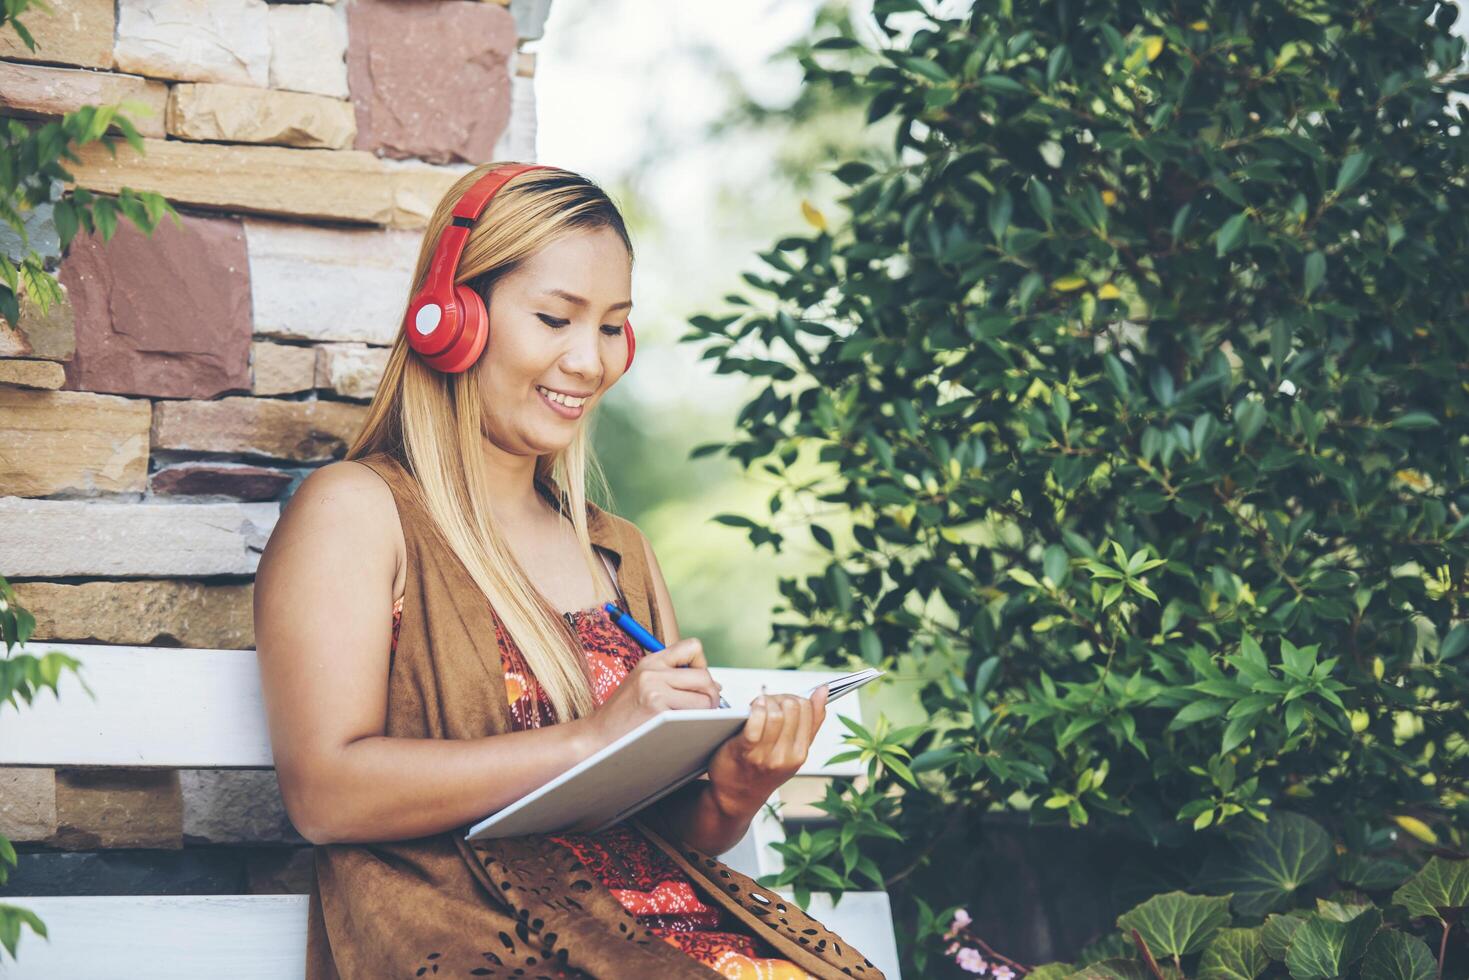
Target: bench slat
263	937
200	709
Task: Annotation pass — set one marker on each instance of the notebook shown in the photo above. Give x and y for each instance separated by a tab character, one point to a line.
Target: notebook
638	769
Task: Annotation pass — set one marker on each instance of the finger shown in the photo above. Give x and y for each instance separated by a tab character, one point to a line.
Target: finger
788	751
755	724
818	702
804	730
774	722
682	700
695	679
688	652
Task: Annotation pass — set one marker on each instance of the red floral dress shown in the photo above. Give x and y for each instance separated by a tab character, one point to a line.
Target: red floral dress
637	873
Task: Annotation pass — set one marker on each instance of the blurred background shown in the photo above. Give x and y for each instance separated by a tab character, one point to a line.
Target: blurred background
693	118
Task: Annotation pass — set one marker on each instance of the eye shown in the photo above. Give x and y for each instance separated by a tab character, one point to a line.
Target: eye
556	323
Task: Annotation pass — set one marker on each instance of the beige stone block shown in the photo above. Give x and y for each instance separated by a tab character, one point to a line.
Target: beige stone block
329	284
195	40
518	141
150	612
525	63
98	808
32	374
27	803
308	50
307	432
241	114
36	90
417	189
76	32
96	539
336	185
72	442
282	369
350	370
51	335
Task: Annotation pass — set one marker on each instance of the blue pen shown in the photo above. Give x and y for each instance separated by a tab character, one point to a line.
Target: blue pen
645	639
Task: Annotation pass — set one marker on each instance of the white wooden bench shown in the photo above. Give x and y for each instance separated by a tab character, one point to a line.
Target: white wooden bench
175	708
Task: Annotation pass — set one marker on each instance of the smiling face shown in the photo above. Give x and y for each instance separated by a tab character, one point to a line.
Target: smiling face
556	325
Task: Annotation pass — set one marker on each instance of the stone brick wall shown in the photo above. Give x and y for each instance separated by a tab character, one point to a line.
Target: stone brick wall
153	424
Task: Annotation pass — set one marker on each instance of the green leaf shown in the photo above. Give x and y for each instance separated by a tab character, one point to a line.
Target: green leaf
870	646
1395	955
1233	954
1352	169
1315	272
1278	931
1272	864
1176	923
1455	643
1230	233
1324	947
1439	887
1413	421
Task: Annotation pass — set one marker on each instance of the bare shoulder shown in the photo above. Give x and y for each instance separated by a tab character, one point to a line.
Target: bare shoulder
343	507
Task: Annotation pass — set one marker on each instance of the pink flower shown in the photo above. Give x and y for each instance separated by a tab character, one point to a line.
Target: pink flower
953	948
970	960
961	919
1003	973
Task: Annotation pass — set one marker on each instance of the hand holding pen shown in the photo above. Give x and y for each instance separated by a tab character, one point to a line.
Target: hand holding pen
645	639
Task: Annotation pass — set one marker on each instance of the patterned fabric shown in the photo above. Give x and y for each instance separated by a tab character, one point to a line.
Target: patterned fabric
639	875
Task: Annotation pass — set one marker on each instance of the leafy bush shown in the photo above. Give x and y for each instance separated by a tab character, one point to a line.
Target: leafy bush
1130	409
1310	917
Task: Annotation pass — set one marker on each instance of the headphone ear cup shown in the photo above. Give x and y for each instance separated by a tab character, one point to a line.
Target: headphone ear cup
471	343
632	344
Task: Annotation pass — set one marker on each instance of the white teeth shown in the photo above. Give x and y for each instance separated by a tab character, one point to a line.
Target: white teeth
561	399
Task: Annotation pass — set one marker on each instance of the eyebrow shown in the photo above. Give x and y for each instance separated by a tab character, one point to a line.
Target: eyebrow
578	301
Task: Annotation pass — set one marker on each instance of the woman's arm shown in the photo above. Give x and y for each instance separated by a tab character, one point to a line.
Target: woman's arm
323	600
714	814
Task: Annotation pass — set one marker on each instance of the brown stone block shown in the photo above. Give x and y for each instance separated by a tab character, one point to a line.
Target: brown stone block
241	114
166	314
281	369
307	432
46	375
27	803
118	808
76	32
236	481
410	98
337	185
33	90
152	612
58	441
50	335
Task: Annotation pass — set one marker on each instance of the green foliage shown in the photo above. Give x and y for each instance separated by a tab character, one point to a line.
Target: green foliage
1344	935
1130	410
31	160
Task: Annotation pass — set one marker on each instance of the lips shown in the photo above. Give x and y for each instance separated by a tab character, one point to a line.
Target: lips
564	411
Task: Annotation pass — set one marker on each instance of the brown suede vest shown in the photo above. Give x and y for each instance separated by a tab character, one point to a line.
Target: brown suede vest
525	906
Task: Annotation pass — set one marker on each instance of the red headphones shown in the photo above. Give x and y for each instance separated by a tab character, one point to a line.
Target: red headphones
448	324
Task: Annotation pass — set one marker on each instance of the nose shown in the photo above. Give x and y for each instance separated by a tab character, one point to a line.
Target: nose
583	355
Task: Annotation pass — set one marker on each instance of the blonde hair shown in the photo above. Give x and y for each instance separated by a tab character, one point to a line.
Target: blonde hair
433	423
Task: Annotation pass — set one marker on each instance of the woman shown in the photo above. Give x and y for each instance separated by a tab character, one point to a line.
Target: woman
460	518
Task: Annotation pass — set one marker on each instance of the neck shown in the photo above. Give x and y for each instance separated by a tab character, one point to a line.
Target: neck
513	494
